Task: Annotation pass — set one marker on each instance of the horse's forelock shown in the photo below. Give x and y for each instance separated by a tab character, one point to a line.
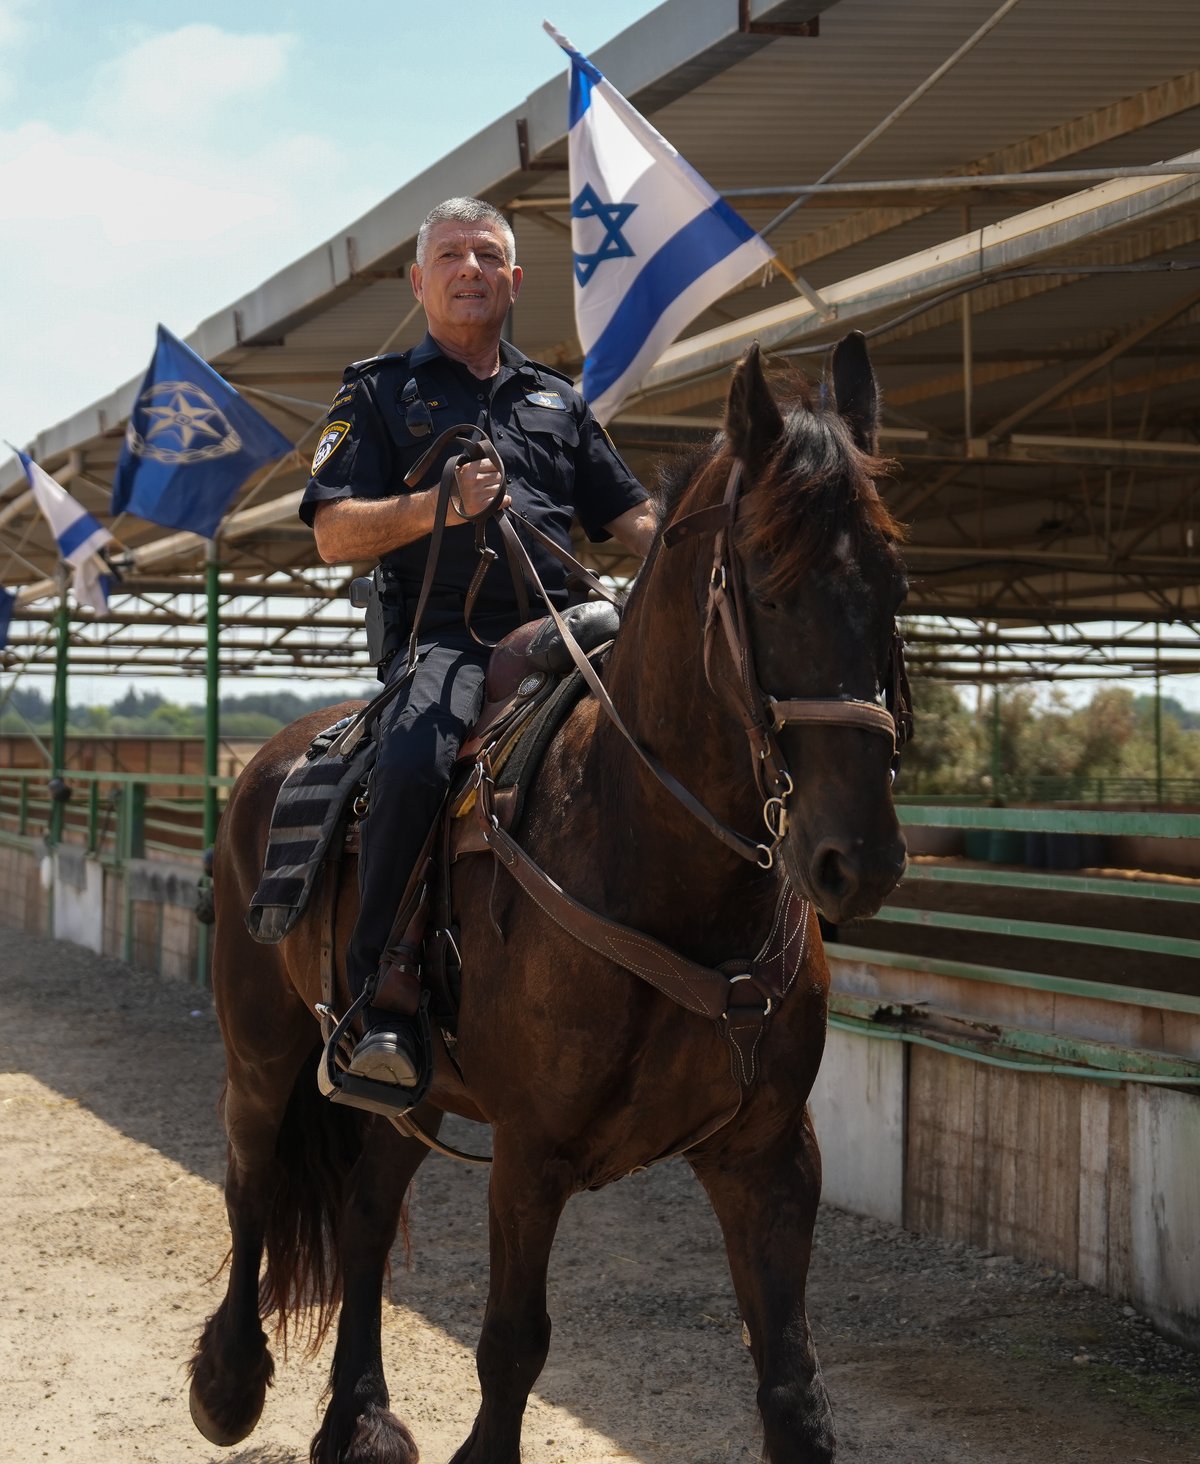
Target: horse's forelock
816	492
816	489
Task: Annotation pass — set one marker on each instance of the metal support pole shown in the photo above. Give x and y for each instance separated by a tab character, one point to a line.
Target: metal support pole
58	738
997	761
212	707
1158	729
212	731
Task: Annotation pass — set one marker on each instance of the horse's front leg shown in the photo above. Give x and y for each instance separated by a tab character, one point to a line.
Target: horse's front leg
525	1199
766	1202
358	1427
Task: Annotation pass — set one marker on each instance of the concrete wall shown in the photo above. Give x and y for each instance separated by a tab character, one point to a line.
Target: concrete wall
78	899
1099	1180
74	897
858	1107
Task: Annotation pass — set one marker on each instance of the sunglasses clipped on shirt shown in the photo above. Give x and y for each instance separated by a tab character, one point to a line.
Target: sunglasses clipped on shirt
417	417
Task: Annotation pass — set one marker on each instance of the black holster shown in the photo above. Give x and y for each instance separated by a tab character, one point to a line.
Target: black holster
386	616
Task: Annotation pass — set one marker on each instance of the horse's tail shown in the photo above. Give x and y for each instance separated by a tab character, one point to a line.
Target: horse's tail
315	1150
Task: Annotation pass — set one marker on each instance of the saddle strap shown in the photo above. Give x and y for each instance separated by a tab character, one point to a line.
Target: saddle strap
739	998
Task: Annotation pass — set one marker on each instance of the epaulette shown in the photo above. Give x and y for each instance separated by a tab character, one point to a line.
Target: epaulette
554	371
356	368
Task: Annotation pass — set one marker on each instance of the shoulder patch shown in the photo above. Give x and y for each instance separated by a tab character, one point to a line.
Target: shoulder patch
332	437
551	399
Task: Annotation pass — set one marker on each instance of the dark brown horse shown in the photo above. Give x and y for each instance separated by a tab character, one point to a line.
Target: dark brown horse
583	1071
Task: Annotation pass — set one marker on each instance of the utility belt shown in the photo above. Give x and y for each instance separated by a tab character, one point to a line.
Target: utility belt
389	614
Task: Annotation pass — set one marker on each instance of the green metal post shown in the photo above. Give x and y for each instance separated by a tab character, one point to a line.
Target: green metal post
58	742
1158	737
996	758
212	707
212	728
93	816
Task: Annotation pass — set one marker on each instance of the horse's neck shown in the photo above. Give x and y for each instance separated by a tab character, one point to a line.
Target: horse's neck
656	678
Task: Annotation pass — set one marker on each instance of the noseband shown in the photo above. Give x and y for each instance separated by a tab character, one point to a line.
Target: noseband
763	715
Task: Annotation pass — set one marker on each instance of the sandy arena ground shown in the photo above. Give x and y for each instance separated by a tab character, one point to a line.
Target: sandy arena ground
113	1224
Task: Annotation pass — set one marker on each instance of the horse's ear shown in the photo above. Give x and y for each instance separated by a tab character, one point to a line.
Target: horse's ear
753	424
855	391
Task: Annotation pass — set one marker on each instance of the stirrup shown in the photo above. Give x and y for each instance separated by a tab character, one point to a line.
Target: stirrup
340	1086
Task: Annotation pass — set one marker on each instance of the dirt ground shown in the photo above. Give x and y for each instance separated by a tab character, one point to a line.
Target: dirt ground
113	1225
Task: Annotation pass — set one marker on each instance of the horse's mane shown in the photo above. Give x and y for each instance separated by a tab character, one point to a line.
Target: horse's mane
814	490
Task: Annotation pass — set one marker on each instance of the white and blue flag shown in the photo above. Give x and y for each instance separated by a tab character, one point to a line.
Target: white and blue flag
79	536
654	244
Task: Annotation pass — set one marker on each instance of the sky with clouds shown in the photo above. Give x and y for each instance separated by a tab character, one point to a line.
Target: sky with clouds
158	159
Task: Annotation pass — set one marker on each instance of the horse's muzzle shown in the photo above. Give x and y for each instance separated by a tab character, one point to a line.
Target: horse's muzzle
848	879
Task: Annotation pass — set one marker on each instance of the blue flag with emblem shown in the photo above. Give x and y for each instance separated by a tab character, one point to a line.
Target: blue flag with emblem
7	601
654	244
191	443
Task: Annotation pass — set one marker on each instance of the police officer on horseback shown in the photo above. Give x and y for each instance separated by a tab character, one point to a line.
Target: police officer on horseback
558	465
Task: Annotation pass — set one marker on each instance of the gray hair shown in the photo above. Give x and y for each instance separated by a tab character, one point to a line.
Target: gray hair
467	211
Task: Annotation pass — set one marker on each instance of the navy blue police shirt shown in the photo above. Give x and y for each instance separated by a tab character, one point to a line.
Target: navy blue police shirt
559	461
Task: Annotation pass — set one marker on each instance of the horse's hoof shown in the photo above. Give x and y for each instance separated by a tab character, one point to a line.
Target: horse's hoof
214	1432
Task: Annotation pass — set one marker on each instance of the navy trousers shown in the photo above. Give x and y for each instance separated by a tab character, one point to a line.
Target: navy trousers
419	739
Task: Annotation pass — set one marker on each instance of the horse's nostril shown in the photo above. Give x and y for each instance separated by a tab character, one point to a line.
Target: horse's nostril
834	875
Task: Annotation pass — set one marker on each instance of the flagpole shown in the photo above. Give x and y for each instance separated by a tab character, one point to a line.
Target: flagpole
58	737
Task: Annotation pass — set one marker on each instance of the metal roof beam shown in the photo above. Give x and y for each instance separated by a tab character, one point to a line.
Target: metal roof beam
1020	241
1081	373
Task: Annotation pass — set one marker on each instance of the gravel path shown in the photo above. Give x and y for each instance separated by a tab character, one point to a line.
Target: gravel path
110	1164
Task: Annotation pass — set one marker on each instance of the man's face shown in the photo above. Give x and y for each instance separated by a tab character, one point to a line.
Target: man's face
465	284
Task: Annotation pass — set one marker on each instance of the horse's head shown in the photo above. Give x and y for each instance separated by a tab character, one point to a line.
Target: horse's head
811	581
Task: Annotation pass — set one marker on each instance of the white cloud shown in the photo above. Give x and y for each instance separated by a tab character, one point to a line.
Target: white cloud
147	197
106	228
183	79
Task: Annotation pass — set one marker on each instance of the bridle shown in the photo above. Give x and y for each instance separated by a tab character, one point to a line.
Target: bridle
762	715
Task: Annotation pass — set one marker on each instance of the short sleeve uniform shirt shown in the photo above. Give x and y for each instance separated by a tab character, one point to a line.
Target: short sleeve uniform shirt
559	462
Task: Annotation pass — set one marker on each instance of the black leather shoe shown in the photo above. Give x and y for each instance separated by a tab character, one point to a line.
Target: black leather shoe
389	1054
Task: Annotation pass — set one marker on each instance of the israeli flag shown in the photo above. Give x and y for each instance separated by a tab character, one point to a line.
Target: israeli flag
191	442
654	244
79	536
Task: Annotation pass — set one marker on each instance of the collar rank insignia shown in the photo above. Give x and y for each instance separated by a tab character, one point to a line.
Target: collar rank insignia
546	399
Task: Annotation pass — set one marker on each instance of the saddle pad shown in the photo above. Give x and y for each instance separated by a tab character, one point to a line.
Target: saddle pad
518	751
310	810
